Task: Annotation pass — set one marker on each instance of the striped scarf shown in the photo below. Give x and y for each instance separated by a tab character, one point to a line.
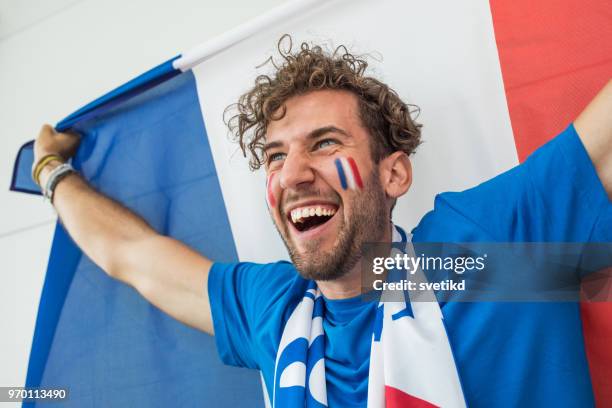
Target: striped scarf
411	362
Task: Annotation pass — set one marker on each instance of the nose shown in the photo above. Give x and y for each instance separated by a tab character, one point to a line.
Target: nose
296	171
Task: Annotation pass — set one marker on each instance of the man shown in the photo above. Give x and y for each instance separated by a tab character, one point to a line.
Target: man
335	145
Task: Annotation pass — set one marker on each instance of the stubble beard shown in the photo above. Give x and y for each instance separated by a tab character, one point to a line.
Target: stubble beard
367	223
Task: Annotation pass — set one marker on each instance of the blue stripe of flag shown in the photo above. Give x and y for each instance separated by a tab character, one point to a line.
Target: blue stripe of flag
341	174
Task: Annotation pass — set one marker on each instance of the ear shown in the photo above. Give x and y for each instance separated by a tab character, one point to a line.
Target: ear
396	174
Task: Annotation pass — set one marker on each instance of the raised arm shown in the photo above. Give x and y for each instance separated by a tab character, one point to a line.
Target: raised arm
165	271
594	126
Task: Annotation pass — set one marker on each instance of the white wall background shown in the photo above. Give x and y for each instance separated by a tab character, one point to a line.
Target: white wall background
55	56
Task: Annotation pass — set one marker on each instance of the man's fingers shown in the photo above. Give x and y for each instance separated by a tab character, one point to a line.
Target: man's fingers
46	131
51	142
66	138
71	141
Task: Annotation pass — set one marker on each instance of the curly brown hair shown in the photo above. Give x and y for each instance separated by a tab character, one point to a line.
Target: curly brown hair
388	119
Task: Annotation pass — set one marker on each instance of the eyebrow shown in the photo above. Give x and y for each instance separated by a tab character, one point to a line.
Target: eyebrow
312	135
324	130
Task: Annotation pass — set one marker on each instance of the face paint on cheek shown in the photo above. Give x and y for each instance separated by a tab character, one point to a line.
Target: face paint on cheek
348	173
270	191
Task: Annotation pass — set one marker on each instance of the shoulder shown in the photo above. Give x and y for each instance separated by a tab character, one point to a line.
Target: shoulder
282	267
553	195
261	283
473	214
269	274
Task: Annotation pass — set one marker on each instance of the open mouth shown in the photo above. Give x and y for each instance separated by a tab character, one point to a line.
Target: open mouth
311	216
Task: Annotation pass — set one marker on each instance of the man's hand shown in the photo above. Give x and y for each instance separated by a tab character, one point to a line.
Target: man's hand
51	142
165	271
594	126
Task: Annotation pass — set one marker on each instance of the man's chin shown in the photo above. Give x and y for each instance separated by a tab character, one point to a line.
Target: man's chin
318	272
314	248
318	256
317	263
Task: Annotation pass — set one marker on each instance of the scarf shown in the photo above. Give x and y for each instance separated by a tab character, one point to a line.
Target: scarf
411	361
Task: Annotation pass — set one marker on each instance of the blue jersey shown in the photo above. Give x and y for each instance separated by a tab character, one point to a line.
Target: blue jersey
507	354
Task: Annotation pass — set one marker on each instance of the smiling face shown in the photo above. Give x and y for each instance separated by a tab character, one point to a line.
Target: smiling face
324	191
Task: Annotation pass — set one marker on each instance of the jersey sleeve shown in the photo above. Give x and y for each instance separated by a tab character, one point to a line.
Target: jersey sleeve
554	196
247	302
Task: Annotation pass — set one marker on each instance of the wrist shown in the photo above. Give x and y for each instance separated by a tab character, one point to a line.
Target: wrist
56	175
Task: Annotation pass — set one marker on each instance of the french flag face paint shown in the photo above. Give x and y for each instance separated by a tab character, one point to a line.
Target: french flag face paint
270	191
348	173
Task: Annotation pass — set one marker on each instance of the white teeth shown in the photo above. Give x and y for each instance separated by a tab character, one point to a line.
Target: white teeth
298	214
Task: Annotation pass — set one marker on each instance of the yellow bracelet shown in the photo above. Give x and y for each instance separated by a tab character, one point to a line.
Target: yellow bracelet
41	165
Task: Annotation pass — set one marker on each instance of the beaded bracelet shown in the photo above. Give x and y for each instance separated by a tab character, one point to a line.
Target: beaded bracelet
56	175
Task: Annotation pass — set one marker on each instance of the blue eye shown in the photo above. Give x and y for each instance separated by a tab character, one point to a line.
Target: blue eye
276	157
325	143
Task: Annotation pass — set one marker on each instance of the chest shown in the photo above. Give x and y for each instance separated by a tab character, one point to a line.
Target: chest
348	336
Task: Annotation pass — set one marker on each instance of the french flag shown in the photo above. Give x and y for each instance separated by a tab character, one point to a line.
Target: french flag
348	173
494	80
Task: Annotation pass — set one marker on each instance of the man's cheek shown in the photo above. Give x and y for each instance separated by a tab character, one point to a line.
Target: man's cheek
347	173
272	188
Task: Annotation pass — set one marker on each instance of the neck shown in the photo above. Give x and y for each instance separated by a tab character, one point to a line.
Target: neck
350	284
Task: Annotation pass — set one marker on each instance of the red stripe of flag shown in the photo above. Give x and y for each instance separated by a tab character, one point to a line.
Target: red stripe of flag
356	174
395	398
555	55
